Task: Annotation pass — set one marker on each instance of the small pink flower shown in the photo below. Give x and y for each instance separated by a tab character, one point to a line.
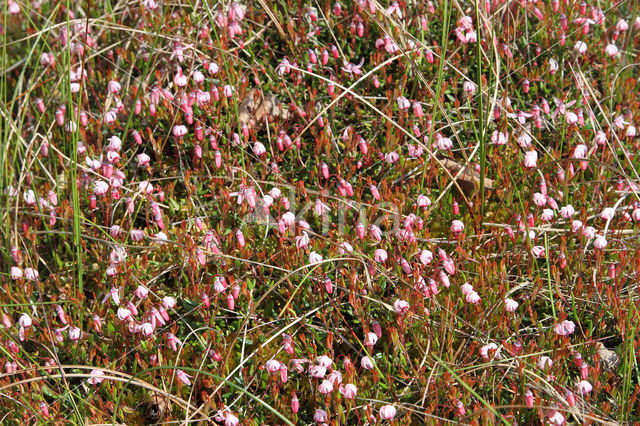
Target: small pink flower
426	256
466	288
179	130
320	416
16	273
490	351
366	363
457	226
114	87
580	47
31	274
608	213
528	398
349	391
565	328
314	257
567	211
401	306
143	160
510	305
97	376
403	103
325	387
538	252
469	88
388	412
547	215
472	297
380	255
600	242
423	201
184	377
611	50
584	387
272	366
545	362
499	138
531	159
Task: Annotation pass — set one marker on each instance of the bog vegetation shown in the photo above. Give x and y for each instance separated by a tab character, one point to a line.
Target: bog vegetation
303	211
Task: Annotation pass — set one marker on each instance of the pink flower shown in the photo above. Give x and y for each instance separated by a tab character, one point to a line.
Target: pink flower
302	241
499	138
444	144
173	342
457	226
545	362
231	420
611	50
350	68
380	255
387	412
584	387
589	232
510	305
349	391
317	371
16	273
600	242
143	160
325	387
366	363
314	257
528	398
401	306
114	87
555	417
622	25
547	215
565	328
324	361
423	201
25	321
490	352
370	339
391	157
472	297
630	132
137	234
97	376
426	257
124	314
469	88
466	288
272	366
571	118
31	274
403	103
580	47
320	416
179	130
142	291
184	377
147	329
376	233
568	211
608	213
259	149
538	252
531	159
